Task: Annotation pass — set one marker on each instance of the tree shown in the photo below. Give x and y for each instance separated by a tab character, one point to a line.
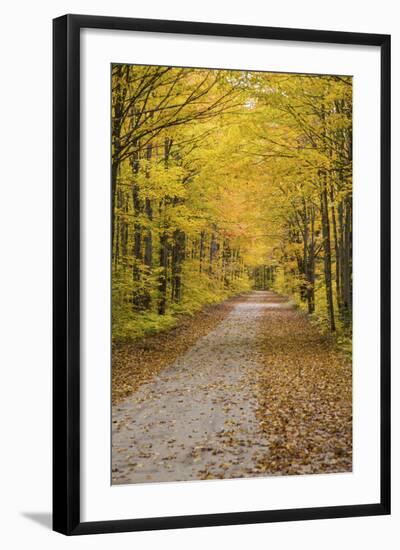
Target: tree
227	180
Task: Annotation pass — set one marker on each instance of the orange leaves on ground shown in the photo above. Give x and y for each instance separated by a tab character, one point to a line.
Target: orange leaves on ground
134	364
305	396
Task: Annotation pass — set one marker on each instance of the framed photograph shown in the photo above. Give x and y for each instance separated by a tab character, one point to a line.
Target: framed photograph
221	274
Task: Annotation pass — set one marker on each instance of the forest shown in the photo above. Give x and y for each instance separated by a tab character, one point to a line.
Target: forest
227	181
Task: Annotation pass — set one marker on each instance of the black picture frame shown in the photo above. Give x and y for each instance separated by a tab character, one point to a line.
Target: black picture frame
66	272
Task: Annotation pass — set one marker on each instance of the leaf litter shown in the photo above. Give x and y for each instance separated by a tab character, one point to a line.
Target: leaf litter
138	362
250	390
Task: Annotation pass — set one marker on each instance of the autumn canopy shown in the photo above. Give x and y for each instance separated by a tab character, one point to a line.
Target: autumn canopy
224	181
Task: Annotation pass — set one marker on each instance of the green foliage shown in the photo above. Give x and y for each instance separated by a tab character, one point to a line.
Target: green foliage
128	326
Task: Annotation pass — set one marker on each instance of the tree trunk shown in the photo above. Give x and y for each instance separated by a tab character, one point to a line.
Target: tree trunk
201	251
311	266
347	281
137	250
148	242
178	255
114	177
213	252
124	227
337	252
162	279
327	253
117	119
164	247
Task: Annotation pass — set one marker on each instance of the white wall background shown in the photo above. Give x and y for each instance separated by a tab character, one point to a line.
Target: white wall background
25	286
